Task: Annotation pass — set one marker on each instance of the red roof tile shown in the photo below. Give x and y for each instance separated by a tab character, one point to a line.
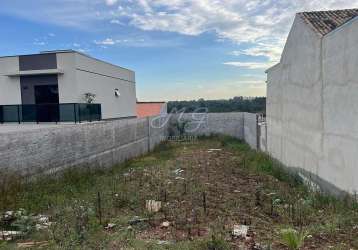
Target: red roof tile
149	109
324	22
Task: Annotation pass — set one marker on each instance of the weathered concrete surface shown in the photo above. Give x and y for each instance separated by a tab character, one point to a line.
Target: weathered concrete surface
311	111
251	132
262	136
47	148
211	123
236	124
100	144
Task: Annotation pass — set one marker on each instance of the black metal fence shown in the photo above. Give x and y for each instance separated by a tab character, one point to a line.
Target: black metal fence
64	112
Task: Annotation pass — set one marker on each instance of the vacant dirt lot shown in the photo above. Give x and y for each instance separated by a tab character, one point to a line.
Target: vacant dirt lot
182	196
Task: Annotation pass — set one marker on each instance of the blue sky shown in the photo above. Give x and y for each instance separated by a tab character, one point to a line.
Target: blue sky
180	49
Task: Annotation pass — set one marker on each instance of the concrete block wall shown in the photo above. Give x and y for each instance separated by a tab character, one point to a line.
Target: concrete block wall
100	144
262	136
236	124
251	133
49	149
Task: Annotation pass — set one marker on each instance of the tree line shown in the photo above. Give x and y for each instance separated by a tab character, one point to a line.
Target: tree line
236	104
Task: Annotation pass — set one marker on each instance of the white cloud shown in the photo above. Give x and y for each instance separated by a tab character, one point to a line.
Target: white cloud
107	41
236	20
39	43
128	42
111	2
249	65
271	52
263	24
116	21
211	90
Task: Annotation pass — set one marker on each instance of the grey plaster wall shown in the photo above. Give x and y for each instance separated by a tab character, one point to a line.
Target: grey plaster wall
311	106
338	163
100	144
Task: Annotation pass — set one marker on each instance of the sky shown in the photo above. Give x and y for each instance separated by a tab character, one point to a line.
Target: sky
179	49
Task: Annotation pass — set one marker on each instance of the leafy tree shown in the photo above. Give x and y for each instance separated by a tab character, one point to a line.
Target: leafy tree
236	104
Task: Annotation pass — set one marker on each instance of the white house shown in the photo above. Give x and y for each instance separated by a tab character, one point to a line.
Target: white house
312	96
51	86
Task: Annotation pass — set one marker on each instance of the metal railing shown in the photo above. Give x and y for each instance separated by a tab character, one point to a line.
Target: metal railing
63	112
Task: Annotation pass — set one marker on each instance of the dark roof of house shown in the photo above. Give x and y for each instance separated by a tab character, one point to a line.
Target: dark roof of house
324	22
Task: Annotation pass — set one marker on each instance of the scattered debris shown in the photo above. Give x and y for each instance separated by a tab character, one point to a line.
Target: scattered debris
32	244
42	227
43	222
42	218
163	242
110	226
165	224
8	215
240	231
10	235
153	206
136	220
214	149
178	171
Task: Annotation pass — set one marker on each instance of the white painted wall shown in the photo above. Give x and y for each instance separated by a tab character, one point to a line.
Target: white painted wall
9	86
82	74
67	82
311	104
102	79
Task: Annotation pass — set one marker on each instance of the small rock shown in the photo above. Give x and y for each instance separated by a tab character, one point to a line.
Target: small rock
166	224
